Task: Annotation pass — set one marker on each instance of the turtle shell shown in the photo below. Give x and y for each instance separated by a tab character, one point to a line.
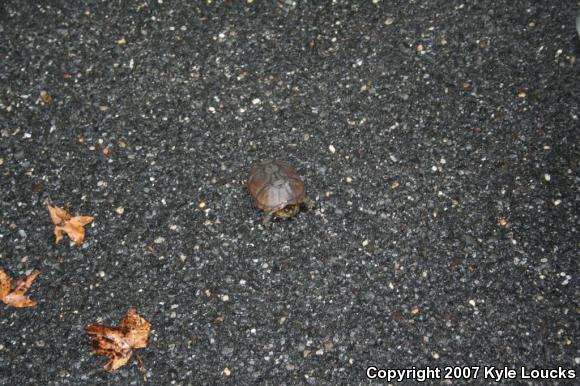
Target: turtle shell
275	184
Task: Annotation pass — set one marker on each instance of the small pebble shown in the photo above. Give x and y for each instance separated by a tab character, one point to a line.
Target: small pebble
435	355
472	302
389	21
547	177
256	101
44	97
227	372
332	149
415	311
120	210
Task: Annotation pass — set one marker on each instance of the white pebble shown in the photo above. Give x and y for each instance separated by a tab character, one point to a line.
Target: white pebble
332	149
557	202
256	101
472	302
547	177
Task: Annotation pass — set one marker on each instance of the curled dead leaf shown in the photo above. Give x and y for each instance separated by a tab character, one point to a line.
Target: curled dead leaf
72	226
118	343
16	297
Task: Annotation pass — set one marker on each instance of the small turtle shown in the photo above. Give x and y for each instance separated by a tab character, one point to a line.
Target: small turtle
278	189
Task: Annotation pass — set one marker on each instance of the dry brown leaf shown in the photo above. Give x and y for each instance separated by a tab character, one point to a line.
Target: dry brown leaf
16	297
117	343
72	226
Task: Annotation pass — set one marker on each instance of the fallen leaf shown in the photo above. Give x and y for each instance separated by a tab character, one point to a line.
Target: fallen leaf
16	297
72	226
118	343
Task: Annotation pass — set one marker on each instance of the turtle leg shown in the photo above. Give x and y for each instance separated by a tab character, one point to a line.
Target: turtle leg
309	203
267	220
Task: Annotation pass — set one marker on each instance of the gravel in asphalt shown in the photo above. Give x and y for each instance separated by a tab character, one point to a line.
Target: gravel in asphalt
439	140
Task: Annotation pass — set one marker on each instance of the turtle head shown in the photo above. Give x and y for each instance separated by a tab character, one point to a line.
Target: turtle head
287	211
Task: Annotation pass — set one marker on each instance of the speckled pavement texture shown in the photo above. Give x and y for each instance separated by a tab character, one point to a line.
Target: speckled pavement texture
439	140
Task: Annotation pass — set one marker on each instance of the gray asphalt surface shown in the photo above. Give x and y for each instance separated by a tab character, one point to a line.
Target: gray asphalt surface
417	125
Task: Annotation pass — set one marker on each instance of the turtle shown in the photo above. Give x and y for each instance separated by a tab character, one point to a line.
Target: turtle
277	189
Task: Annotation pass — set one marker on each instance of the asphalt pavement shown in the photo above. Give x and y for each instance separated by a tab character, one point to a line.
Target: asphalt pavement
439	140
